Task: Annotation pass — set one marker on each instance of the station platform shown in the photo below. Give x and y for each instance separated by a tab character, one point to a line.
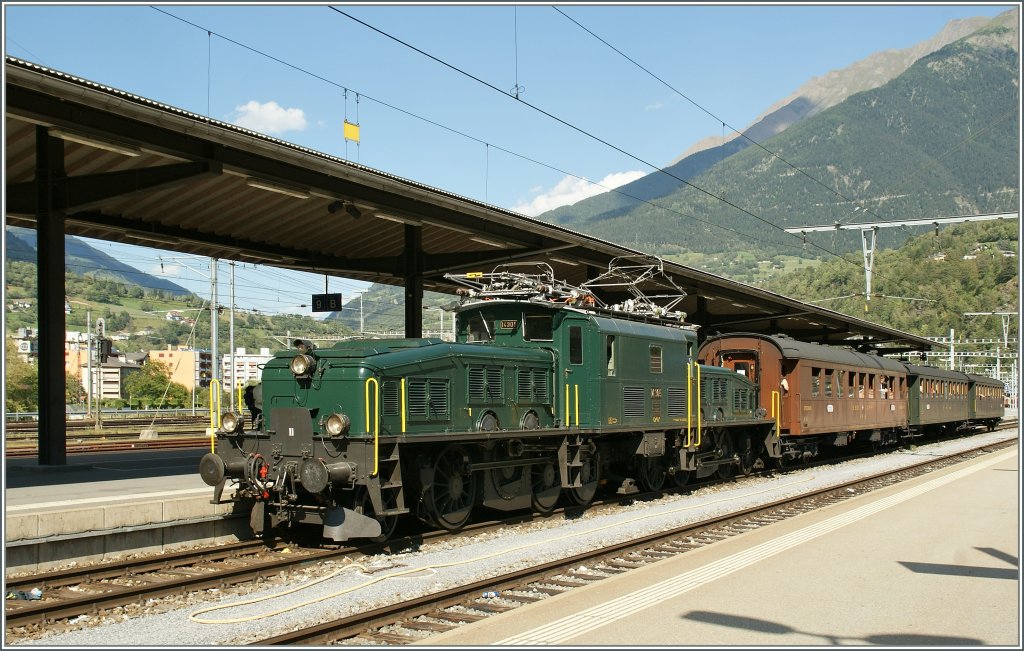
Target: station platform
929	562
100	506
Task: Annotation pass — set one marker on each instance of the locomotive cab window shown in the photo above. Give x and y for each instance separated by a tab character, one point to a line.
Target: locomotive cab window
537	328
575	345
479	330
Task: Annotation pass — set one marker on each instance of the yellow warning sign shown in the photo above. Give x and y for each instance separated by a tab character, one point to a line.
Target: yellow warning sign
351	131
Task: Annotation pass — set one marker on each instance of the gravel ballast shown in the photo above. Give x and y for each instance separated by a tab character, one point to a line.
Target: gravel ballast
332	590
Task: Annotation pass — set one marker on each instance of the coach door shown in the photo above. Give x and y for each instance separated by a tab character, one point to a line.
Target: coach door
744	362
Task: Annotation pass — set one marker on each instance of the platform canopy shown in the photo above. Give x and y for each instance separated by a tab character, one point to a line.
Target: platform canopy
128	169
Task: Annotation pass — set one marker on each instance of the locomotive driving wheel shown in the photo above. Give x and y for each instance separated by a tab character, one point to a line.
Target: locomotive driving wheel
682	478
746	454
590	475
652	472
545	487
453	490
726	470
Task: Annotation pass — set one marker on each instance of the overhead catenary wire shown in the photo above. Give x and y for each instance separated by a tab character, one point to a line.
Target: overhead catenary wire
476	139
587	134
738	233
765	149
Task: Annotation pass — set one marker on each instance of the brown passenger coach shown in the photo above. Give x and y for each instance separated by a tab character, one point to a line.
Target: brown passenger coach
819	395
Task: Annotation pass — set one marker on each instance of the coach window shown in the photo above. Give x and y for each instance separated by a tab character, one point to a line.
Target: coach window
839	384
871	385
815	382
860	385
575	345
609	347
852	383
828	383
903	388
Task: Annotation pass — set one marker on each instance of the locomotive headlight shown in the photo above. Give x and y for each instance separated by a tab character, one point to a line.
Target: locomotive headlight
230	422
337	424
302	365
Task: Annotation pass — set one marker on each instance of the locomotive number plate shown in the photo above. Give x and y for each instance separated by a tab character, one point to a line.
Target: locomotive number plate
509	324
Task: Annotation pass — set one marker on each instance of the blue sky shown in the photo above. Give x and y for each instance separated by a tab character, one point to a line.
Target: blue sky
424	121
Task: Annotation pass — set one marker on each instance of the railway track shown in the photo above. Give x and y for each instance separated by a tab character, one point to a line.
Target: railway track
411	620
124	585
110	443
31	428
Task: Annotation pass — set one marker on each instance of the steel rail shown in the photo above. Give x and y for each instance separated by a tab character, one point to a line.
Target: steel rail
354	625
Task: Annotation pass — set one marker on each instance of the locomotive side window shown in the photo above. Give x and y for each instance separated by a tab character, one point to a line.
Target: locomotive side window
537	328
575	345
609	347
655	359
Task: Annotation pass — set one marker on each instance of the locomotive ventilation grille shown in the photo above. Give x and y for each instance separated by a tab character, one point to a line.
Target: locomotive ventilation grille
676	402
741	400
485	384
533	385
633	402
717	391
428	398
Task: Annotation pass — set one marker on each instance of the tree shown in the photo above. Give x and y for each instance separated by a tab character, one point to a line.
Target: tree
73	391
22	381
151	387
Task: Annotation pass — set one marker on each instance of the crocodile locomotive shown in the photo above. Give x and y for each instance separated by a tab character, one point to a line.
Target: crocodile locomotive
547	394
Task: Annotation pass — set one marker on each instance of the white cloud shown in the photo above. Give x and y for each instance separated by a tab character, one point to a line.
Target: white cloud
572	189
655	106
269	118
166	269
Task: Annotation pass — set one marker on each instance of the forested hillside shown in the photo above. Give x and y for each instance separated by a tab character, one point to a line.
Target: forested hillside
141	313
939	140
925	286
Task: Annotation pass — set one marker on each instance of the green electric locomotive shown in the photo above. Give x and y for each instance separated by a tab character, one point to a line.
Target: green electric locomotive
547	393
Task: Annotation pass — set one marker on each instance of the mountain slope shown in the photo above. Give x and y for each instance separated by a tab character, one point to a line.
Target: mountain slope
938	140
809	100
83	259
